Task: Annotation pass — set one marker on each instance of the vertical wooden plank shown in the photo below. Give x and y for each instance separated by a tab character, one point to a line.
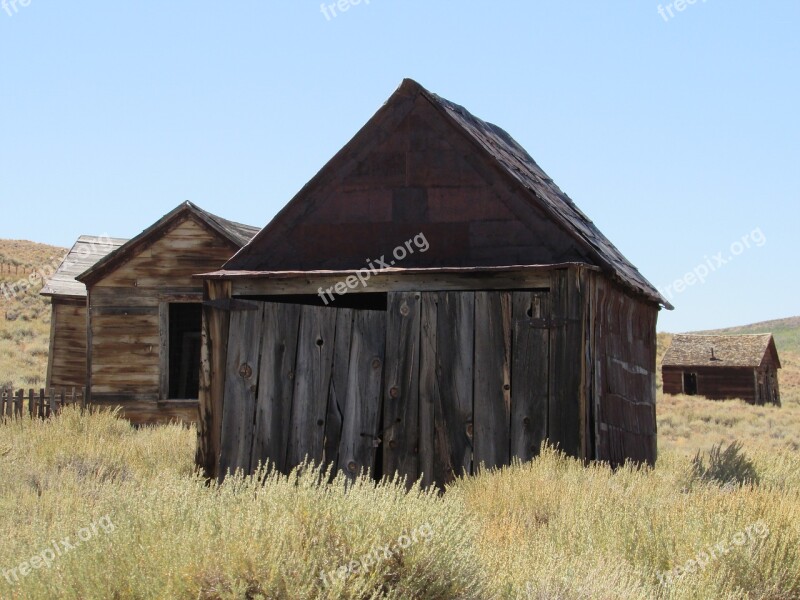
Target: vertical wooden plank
315	348
566	372
591	376
492	427
89	345
213	360
51	352
50	404
163	350
337	394
428	387
530	385
401	397
241	384
455	337
276	384
361	425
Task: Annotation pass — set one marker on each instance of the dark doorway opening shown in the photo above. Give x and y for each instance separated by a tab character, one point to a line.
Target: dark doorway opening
185	321
690	384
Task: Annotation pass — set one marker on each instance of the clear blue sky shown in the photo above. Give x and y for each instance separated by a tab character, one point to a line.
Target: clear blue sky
676	135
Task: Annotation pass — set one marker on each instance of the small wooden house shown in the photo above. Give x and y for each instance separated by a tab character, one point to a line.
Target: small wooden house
428	303
723	366
144	314
66	366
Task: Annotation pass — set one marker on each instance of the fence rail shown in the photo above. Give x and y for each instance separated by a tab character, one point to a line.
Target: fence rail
12	269
41	404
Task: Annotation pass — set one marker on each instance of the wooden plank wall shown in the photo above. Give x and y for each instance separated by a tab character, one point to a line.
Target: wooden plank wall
125	324
621	372
67	359
290	396
442	382
715	383
482	393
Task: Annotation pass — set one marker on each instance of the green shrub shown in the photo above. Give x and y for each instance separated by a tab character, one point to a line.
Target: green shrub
726	467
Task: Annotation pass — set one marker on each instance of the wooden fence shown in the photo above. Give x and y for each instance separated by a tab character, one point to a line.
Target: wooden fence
12	269
41	404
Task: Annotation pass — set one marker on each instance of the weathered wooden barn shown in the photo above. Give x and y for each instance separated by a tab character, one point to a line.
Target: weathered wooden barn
66	366
144	314
723	366
428	303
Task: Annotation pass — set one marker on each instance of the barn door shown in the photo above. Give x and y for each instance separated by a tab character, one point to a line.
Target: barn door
466	382
302	382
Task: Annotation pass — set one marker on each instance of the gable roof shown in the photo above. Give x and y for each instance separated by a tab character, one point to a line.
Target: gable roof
729	350
497	148
236	233
87	251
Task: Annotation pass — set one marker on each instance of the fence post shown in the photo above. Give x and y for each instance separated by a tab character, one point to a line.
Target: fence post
20	399
63	399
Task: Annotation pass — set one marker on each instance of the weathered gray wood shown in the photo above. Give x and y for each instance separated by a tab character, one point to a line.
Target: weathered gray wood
428	387
454	412
401	397
337	394
213	360
361	425
241	381
492	428
419	280
315	351
90	346
124	310
529	374
276	384
163	351
566	365
51	346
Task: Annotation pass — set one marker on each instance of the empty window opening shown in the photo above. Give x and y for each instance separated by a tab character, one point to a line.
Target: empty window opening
184	351
690	384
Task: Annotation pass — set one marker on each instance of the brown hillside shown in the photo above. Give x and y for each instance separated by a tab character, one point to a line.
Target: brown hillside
24	315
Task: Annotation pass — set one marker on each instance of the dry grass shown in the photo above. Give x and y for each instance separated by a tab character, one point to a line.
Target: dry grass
550	529
688	424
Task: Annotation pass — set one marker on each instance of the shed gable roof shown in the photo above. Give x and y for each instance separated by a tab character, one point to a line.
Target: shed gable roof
729	350
537	192
87	251
236	233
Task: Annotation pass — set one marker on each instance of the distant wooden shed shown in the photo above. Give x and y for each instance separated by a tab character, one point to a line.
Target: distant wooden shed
723	366
428	303
144	318
66	365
